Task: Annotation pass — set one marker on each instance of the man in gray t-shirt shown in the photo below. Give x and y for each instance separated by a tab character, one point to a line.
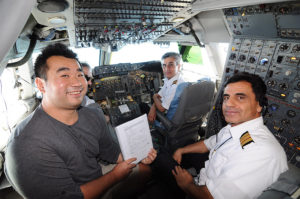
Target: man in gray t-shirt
54	152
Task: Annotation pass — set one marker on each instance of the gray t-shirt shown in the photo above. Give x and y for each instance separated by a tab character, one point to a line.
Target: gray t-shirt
48	159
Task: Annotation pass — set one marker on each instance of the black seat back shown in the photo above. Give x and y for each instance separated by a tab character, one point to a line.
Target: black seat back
194	103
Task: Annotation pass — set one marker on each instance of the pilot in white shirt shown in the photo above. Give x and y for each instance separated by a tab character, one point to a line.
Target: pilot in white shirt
171	64
168	90
244	157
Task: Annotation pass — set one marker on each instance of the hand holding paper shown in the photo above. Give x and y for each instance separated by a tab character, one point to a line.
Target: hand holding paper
151	157
124	168
135	140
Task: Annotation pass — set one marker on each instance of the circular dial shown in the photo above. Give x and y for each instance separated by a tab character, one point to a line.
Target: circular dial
296	48
242	58
232	56
291	113
252	60
284	47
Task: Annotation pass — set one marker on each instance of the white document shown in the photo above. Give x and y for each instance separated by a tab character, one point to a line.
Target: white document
124	108
135	138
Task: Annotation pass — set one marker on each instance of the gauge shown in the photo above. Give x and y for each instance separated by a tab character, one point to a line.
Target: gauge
296	48
232	56
242	58
283	86
271	83
252	60
291	113
284	47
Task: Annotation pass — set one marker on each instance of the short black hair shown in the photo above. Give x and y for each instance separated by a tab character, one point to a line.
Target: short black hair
175	55
258	86
58	49
84	64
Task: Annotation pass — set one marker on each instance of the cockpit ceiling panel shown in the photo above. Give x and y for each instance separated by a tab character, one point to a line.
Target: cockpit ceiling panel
102	23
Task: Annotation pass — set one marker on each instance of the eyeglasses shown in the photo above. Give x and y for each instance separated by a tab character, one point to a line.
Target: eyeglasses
87	78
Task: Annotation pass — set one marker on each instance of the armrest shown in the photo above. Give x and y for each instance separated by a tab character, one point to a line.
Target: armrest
164	120
287	185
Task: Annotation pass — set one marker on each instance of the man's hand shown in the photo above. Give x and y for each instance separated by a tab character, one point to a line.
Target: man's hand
156	96
150	158
183	178
123	169
177	156
158	103
152	114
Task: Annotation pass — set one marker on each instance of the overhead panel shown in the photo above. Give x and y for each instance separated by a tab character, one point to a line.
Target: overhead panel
113	24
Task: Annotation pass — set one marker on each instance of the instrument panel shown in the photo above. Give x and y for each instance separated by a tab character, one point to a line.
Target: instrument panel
120	88
134	84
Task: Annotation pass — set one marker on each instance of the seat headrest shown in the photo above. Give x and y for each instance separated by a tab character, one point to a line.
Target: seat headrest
195	102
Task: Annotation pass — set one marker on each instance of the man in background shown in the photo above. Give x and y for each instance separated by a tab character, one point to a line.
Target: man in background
88	99
87	70
171	65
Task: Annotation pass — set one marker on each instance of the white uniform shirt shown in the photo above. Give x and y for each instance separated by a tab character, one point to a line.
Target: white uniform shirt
168	90
237	172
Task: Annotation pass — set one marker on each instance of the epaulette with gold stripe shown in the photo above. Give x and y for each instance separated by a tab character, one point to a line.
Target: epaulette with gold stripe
174	82
245	139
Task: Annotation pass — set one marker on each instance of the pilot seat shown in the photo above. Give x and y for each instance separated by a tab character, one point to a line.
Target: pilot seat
187	111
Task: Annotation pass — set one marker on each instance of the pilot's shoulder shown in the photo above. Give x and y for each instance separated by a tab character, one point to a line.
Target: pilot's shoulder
262	140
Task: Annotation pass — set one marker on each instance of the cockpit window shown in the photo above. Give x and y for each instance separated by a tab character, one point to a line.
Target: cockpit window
16	99
191	71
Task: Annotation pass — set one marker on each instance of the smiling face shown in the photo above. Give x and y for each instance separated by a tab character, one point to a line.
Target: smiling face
65	86
239	103
170	68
